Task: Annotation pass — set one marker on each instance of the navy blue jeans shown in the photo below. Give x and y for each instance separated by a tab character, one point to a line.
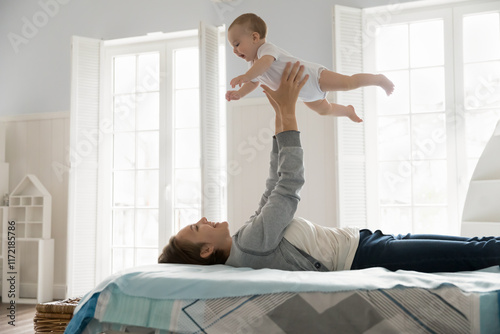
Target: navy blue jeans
425	252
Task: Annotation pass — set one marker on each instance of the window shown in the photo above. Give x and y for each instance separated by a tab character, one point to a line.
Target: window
431	131
187	172
135	156
155	170
144	130
481	81
153	167
411	148
407	167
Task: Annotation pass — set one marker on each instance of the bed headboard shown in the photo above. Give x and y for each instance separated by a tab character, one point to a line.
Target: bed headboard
481	215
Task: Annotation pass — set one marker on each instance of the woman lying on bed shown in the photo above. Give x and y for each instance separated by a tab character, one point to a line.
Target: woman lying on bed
274	238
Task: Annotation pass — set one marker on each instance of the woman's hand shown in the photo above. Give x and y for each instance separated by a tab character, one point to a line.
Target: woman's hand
285	97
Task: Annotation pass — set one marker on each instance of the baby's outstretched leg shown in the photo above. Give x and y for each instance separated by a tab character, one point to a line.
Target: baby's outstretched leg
323	107
332	81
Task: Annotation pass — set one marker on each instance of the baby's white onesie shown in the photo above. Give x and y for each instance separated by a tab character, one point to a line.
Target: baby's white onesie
311	90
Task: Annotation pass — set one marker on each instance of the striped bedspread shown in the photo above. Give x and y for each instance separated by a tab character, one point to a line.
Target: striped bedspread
418	306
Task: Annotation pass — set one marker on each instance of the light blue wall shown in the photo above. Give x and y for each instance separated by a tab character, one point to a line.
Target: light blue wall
35	68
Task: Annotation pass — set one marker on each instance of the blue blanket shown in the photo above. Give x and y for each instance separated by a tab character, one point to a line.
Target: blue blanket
168	282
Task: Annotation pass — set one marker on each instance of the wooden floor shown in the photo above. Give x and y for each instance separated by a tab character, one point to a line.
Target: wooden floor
23	319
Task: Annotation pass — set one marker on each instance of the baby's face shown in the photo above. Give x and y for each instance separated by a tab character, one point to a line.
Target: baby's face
243	42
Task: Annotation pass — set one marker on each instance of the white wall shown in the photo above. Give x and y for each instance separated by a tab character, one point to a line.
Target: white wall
248	161
34	144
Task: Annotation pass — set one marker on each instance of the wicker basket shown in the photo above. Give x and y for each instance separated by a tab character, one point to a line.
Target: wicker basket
53	317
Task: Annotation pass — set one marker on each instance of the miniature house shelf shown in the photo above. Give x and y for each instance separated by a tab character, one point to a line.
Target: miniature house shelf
29	211
30	206
481	215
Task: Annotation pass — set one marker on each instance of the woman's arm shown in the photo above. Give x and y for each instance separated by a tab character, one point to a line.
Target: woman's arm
273	164
285	97
272	179
266	228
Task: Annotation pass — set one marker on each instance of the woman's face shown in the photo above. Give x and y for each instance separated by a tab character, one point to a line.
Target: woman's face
216	234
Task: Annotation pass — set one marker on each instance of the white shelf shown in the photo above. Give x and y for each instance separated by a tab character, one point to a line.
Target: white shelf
38	288
32	219
30	209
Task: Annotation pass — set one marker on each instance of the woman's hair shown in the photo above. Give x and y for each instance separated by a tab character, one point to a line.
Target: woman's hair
252	22
185	252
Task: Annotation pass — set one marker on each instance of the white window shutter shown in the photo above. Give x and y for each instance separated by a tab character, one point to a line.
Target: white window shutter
350	136
209	117
82	197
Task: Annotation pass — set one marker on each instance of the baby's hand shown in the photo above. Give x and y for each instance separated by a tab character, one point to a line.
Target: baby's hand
239	80
232	95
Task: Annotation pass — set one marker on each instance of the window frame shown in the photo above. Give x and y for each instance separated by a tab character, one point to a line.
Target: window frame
165	46
462	168
86	265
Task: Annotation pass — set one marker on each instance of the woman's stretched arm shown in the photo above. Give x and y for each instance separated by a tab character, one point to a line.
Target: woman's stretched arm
272	179
265	230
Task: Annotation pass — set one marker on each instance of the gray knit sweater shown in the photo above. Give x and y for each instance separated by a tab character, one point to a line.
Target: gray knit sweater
260	243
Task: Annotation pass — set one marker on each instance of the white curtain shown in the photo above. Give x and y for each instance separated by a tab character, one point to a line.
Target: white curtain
82	201
350	136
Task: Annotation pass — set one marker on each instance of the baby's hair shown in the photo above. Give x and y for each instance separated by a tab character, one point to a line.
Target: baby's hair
251	22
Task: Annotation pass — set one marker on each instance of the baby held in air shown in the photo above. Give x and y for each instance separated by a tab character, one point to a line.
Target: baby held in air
247	36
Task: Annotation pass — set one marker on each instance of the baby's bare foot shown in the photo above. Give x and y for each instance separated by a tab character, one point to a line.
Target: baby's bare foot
386	84
351	113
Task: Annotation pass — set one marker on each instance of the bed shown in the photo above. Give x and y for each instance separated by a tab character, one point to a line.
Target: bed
171	298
